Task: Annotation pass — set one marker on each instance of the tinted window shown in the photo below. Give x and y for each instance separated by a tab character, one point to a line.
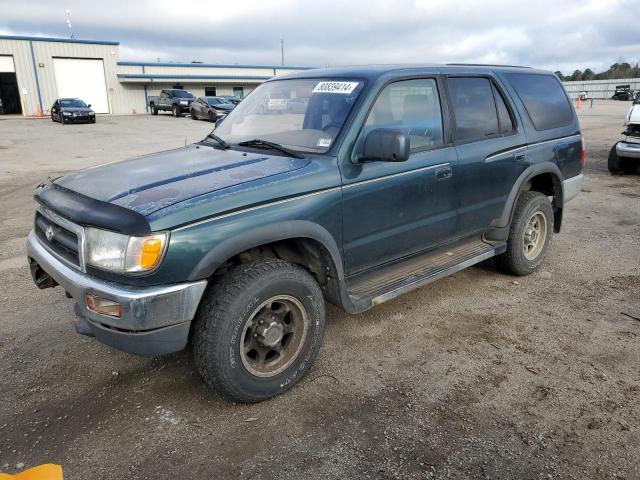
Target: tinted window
474	108
544	99
412	106
73	103
504	116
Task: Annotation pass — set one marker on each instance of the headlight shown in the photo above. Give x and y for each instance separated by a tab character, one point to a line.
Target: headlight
123	253
67	113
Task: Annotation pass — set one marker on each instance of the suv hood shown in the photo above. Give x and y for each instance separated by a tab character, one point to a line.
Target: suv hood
147	184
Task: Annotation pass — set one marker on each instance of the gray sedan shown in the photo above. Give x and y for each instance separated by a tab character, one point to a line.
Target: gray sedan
210	108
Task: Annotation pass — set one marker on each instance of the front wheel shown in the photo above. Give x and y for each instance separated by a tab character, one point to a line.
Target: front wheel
176	111
193	115
258	330
529	235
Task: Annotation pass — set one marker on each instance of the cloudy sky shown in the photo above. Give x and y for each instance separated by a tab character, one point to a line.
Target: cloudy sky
554	34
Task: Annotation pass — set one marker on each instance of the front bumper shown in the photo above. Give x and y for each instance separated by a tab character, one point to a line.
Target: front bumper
628	150
79	118
155	320
571	187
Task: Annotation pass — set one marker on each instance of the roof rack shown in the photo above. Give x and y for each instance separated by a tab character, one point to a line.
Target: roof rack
484	65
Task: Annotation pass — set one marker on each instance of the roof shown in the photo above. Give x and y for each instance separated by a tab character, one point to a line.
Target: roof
57	39
373	72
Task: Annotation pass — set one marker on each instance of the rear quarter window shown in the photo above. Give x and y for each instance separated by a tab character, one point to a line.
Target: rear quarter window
543	98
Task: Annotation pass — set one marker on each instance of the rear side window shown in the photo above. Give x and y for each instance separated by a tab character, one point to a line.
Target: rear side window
543	98
474	108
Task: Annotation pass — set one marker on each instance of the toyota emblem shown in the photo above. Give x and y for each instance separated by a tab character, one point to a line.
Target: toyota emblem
49	233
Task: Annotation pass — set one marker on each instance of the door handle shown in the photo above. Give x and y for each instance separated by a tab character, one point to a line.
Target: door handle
443	173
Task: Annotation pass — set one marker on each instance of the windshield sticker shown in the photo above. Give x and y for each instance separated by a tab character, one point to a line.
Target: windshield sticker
324	142
335	87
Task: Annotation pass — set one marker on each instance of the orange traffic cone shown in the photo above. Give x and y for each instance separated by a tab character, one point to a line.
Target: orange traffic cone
42	472
38	113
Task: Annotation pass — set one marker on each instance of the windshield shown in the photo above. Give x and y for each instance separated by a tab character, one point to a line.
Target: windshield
215	101
182	94
301	114
72	102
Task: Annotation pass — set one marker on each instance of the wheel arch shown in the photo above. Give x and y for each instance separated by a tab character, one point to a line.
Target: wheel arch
543	177
291	230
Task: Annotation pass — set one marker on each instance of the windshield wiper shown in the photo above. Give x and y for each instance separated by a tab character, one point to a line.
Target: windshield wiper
258	143
219	141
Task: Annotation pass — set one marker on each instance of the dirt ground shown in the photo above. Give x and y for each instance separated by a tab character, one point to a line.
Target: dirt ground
480	375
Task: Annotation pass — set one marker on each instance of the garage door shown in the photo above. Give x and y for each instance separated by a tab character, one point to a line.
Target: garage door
84	79
6	64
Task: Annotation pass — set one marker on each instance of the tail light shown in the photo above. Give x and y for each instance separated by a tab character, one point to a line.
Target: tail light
583	158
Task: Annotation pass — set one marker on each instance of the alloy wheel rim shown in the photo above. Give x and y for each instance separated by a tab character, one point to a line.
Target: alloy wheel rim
273	336
535	234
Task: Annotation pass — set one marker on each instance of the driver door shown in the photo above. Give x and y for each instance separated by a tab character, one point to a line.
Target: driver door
395	209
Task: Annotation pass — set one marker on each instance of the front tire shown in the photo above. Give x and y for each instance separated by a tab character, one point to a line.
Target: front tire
530	233
258	330
193	115
619	165
176	111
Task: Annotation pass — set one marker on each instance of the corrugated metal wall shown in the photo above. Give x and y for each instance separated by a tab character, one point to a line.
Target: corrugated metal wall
599	88
125	95
21	52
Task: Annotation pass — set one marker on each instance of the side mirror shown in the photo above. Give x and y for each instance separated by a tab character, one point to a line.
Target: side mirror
387	145
89	106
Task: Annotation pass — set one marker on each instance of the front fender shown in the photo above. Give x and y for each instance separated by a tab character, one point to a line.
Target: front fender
264	235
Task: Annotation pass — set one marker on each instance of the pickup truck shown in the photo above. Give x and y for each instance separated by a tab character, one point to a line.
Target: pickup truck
176	101
390	178
624	156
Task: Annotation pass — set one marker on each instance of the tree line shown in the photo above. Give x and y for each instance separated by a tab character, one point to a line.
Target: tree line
617	70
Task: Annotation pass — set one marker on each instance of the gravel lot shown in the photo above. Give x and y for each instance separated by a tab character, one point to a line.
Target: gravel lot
479	375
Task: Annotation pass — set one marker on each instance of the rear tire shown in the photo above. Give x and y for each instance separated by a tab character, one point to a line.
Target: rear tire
530	233
258	330
154	110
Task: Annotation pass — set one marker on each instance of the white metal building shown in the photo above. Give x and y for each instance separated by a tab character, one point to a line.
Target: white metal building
34	71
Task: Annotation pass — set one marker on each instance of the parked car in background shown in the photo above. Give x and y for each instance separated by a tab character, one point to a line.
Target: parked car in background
72	110
176	101
386	182
210	108
232	99
624	156
623	92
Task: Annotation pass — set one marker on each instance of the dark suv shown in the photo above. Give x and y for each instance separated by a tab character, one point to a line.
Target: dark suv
387	179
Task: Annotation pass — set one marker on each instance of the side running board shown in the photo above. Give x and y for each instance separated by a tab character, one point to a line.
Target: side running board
385	283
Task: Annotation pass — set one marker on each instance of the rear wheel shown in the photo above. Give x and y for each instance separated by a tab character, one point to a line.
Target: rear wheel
258	330
529	235
154	109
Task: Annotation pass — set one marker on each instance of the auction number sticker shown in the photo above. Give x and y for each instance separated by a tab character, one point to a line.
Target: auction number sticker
335	87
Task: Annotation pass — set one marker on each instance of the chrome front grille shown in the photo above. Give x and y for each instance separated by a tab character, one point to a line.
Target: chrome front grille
61	237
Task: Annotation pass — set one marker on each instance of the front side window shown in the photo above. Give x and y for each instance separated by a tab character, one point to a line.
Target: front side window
304	114
543	98
412	106
474	108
